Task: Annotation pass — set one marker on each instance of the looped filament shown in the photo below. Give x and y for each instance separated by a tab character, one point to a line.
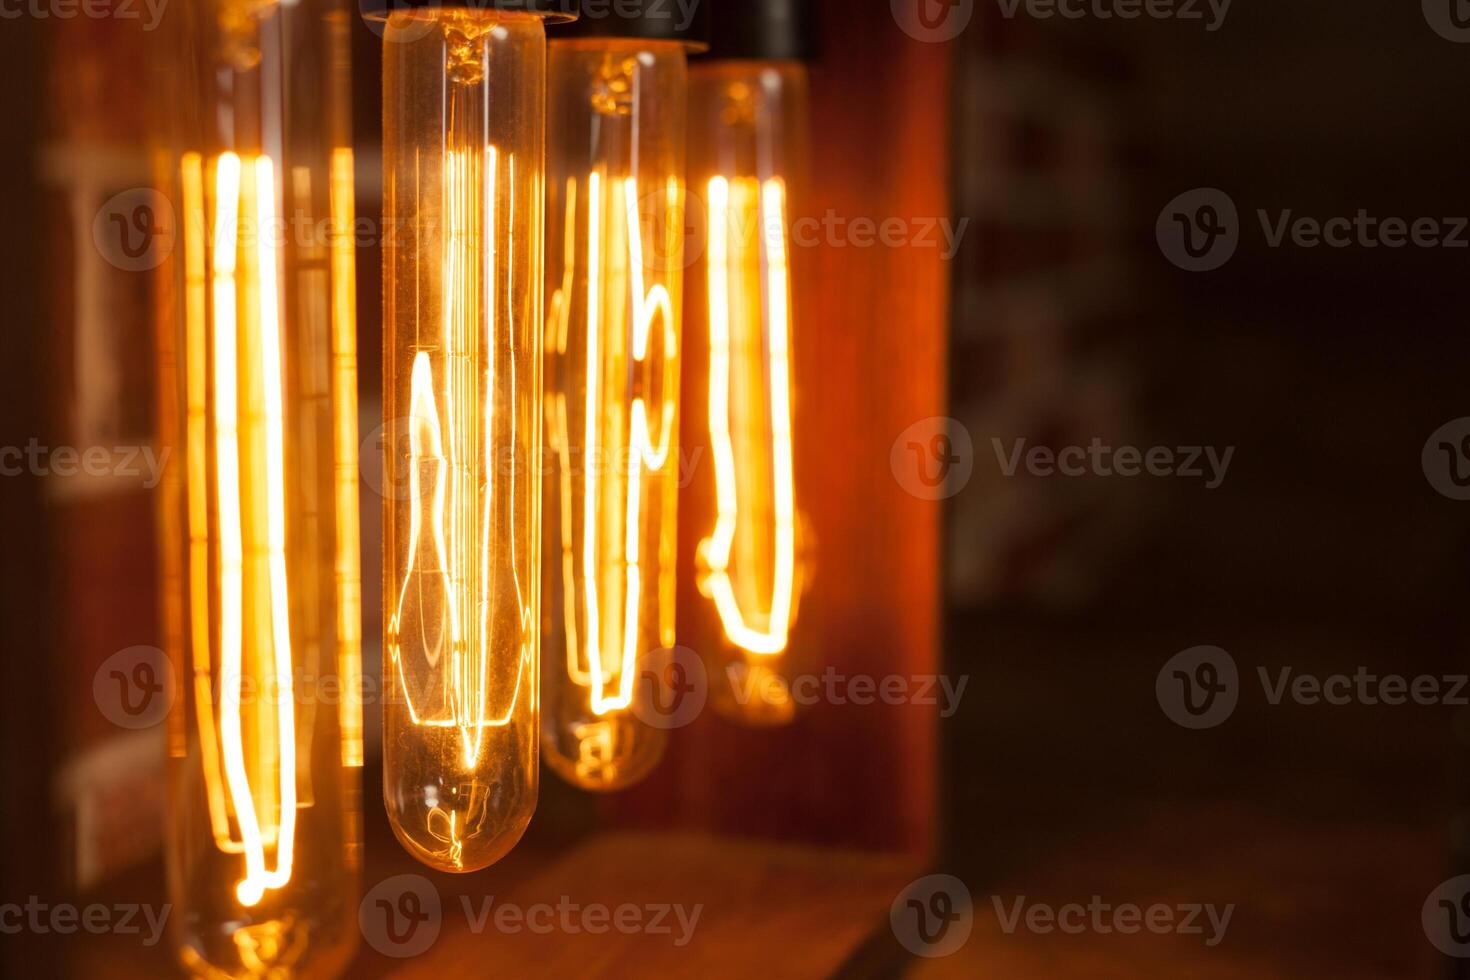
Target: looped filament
612	404
249	765
736	321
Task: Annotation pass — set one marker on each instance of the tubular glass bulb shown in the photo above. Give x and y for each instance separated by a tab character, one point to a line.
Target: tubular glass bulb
614	282
464	192
746	127
257	396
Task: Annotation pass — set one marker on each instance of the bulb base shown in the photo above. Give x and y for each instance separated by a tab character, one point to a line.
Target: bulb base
650	22
764	30
552	10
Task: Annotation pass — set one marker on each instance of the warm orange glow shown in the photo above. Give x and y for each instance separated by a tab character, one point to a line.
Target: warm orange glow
197	421
646	454
256	389
463	179
735	328
445	589
344	440
617	157
444	594
249	769
626	458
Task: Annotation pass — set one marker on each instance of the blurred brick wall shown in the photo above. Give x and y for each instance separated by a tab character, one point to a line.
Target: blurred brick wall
108	789
1042	289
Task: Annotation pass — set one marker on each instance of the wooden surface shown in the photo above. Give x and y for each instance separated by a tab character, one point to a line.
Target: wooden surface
1342	903
772	911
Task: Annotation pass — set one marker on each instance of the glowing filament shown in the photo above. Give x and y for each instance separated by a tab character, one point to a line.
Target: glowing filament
769	215
440	636
195	307
344	439
645	453
250	508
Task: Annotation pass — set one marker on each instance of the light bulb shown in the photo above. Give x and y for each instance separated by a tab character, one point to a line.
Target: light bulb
257	398
614	274
747	128
464	195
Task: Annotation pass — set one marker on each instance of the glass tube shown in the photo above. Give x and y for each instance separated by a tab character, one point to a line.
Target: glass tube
463	167
614	282
747	132
257	398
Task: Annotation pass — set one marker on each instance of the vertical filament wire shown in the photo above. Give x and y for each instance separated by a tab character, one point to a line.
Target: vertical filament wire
197	495
344	439
767	213
265	815
648	305
451	590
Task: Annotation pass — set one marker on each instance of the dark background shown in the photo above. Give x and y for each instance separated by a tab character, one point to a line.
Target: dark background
1325	549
